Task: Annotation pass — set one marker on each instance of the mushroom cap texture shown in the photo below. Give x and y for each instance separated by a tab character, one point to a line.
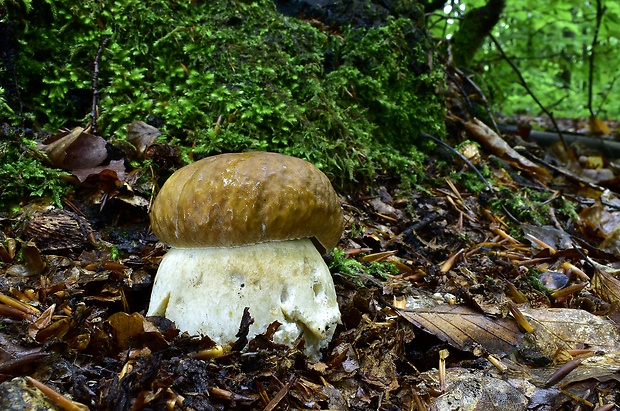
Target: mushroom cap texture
246	198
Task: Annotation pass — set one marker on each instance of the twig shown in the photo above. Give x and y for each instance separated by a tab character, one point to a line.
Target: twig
487	106
600	10
438	141
93	113
563	172
280	395
56	397
610	87
529	91
458	85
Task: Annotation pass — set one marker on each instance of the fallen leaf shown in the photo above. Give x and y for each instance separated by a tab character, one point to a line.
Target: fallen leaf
114	170
382	256
467	329
606	285
55	330
573	329
556	238
479	391
130	330
598	127
385	209
141	135
500	148
44	320
75	150
597	221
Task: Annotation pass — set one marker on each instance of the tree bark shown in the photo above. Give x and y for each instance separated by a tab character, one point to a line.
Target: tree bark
474	28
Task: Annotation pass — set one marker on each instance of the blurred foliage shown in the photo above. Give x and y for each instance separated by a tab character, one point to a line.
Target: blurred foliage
551	43
222	76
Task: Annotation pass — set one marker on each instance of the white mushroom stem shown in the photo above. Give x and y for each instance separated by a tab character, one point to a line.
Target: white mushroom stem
205	290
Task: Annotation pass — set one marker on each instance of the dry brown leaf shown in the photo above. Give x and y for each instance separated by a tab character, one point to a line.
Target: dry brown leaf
75	150
571	328
467	329
597	221
141	135
128	330
32	262
558	239
44	320
606	285
57	330
500	148
385	209
115	170
382	256
598	127
611	243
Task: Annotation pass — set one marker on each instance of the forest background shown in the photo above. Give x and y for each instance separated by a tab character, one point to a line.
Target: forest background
218	77
565	51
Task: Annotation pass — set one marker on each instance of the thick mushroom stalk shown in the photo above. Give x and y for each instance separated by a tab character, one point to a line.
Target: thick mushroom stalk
242	228
205	290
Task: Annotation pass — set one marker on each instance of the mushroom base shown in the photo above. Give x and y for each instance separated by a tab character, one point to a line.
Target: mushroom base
205	290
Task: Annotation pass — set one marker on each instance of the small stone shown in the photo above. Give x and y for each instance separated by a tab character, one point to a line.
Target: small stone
18	395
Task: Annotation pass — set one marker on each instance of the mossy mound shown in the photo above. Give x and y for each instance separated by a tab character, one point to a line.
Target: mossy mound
220	76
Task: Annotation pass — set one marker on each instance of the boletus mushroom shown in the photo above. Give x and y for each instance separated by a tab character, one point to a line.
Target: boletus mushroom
242	230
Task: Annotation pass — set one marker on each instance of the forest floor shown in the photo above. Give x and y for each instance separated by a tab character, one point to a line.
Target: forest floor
502	294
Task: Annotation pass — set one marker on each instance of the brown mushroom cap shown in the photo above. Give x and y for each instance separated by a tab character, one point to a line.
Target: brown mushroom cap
246	198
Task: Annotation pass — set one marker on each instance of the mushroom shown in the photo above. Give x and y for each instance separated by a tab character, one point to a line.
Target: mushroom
242	230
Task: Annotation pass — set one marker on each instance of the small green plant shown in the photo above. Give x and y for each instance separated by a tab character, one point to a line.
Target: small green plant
115	255
357	230
568	208
4	107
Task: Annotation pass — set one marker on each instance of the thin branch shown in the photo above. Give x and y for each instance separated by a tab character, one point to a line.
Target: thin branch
93	113
529	91
473	167
609	90
600	10
487	106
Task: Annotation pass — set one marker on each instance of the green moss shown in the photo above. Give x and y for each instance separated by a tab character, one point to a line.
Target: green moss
344	265
568	208
527	206
354	269
471	180
223	76
533	278
381	269
24	176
